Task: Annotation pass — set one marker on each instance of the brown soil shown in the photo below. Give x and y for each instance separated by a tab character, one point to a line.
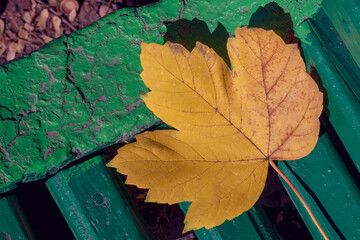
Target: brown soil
26	25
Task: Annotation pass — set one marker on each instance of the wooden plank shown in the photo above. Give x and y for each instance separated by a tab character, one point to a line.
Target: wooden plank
13	223
91	204
252	224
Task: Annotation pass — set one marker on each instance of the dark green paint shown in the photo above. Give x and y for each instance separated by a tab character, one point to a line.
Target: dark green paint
13	224
345	16
92	205
335	52
343	105
326	185
336	49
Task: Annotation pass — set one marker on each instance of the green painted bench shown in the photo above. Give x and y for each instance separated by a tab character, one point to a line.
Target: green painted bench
80	94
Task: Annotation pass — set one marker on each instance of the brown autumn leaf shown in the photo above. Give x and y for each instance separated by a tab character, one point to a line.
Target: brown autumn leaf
230	123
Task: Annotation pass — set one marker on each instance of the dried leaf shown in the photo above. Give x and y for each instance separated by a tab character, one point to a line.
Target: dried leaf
72	15
23	34
53	3
19	47
230	123
3	48
45	38
29	27
28	16
57	26
69	6
103	10
10	35
42	19
33	4
11	53
2	28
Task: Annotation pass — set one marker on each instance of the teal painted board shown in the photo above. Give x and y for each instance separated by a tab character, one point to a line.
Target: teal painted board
252	224
91	204
343	105
338	45
323	178
13	224
336	49
345	16
327	186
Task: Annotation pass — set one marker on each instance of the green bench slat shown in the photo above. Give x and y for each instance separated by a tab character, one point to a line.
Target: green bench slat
345	16
13	224
335	47
76	190
343	105
326	185
323	179
250	225
92	205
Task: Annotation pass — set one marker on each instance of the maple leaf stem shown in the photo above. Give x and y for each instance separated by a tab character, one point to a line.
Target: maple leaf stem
273	165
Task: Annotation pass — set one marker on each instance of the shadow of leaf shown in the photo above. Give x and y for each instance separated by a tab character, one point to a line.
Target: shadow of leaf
187	33
273	17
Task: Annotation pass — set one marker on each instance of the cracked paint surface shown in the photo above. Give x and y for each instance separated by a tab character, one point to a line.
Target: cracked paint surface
81	92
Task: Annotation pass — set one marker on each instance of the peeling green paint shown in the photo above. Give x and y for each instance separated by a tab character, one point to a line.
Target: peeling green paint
71	98
80	93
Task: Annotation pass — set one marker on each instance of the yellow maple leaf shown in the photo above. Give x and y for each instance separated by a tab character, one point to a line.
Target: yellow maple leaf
230	123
